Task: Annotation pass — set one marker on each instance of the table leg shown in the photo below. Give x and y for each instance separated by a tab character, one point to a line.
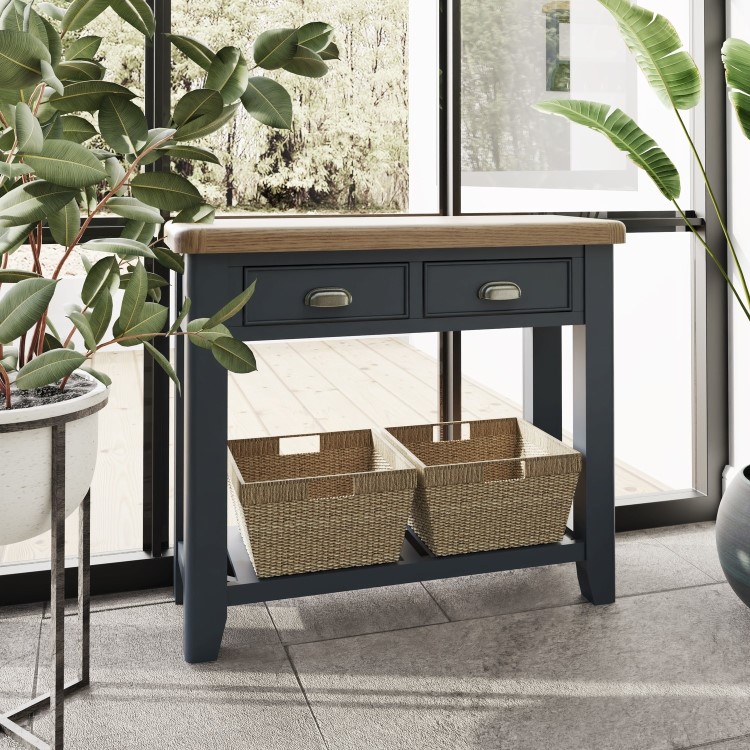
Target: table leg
179	447
57	598
593	429
542	379
205	491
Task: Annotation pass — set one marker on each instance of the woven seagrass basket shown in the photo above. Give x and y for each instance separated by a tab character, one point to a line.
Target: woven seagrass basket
506	484
344	505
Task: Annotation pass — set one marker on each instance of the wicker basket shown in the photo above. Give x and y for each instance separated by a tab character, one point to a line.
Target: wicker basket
507	484
343	506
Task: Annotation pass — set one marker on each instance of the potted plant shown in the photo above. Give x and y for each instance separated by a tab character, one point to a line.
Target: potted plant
72	146
675	77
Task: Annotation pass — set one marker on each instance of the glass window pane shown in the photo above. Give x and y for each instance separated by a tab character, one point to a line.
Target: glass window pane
516	53
350	148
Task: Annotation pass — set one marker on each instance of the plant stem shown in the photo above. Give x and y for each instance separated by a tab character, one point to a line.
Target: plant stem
103	202
714	259
6	386
715	203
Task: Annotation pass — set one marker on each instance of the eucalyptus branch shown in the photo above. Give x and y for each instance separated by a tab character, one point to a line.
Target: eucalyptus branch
103	202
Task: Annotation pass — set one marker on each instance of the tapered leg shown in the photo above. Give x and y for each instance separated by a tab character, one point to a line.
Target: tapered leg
593	428
542	379
449	381
205	487
179	449
57	691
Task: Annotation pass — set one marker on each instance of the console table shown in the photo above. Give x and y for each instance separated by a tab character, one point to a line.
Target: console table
360	276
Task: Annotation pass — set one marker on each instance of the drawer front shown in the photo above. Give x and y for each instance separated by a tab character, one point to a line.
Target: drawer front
298	294
518	286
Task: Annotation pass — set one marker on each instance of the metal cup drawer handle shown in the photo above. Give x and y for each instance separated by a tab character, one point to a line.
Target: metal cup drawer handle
328	297
497	291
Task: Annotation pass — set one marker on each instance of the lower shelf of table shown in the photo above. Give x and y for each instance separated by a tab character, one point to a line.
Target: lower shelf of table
416	564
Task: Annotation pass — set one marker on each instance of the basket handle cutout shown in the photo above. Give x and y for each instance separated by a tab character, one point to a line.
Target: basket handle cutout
299	444
320	487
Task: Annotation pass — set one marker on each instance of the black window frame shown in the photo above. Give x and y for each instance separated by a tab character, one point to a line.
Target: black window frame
152	566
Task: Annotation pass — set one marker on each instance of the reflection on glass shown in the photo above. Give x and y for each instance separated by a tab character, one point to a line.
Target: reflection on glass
516	53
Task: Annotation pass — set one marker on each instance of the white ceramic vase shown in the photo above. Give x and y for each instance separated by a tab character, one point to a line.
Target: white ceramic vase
26	463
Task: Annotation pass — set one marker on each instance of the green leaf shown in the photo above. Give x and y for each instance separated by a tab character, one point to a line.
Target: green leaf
66	163
186	305
157	135
82	12
11	239
48	368
65	223
659	52
132	208
51	342
99	280
49	77
625	134
307	63
52	11
122	124
119	246
204	337
79	70
736	56
82	325
87	96
275	48
331	52
9	362
268	102
53	128
154	281
15	170
53	42
11	276
196	103
83	48
164	363
228	74
28	130
150	321
101	316
233	355
137	13
139	230
100	376
315	36
231	308
77	129
115	175
169	260
166	191
205	125
193	50
191	153
203	214
23	306
32	202
133	299
21	55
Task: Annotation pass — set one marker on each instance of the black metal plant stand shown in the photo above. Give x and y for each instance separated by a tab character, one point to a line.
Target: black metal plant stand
55	698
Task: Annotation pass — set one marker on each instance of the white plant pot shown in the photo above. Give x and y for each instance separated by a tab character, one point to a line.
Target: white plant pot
26	463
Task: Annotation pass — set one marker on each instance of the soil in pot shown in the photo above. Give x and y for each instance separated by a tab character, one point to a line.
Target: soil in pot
49	394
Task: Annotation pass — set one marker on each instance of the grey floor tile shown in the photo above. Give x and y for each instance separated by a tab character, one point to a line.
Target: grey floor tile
143	694
119	601
739	743
695	542
19	641
643	565
654	672
354	613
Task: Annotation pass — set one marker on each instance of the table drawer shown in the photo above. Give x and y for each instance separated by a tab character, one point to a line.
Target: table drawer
297	294
499	287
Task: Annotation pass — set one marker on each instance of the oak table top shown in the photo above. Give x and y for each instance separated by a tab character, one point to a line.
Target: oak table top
316	233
